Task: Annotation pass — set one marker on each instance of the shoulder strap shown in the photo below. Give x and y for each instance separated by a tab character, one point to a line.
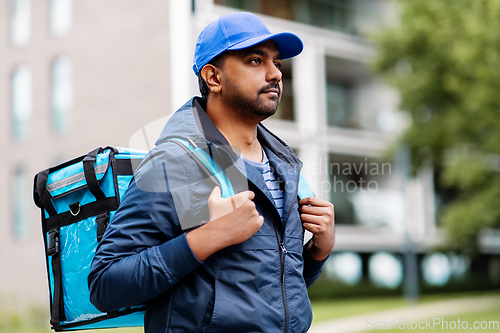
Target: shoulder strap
226	187
208	164
304	189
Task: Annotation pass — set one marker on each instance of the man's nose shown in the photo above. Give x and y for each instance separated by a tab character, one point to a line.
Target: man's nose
273	73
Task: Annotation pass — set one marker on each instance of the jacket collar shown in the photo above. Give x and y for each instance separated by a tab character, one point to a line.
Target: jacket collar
264	135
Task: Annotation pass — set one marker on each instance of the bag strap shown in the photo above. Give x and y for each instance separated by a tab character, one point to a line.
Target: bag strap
305	190
212	168
208	164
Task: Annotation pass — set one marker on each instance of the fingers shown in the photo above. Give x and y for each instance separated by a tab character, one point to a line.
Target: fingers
216	194
244	195
240	198
315	219
312	210
315	201
313	228
236	199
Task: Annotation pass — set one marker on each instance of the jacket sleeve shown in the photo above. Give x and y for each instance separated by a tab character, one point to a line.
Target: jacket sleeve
312	268
143	252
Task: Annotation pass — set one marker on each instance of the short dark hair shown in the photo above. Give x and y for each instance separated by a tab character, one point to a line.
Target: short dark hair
217	61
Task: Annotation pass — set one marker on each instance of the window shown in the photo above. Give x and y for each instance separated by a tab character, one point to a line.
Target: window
333	14
21	101
247	5
364	193
343	78
20	22
61	17
285	108
339	104
62	94
354	98
21	201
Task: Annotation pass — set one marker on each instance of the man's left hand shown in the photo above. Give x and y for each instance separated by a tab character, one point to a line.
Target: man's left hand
317	216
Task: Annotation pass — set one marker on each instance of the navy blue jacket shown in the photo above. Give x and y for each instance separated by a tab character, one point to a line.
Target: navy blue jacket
259	285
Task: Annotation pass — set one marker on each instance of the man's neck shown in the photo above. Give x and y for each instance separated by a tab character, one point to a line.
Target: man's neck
240	133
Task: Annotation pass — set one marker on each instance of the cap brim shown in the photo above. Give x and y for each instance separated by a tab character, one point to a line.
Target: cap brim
289	45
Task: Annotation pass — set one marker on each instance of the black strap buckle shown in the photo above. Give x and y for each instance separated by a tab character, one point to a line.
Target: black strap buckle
53	242
102	221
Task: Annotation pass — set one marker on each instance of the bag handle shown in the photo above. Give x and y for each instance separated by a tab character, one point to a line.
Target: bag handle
89	171
90	176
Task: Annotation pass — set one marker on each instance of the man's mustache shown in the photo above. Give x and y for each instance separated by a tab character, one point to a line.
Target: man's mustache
271	86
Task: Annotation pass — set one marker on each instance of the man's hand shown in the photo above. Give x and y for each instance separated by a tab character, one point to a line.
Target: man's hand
317	216
232	221
219	206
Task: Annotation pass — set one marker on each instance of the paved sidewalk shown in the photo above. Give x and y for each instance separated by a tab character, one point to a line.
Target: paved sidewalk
439	309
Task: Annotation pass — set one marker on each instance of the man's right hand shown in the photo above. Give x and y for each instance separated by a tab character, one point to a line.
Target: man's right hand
232	221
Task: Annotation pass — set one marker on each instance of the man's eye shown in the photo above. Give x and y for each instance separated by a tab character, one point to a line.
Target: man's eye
278	65
255	60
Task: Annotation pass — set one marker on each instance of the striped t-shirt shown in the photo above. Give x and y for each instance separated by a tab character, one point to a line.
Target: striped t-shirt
271	182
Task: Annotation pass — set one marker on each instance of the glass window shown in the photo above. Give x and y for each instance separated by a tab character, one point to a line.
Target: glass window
339	104
333	14
62	93
61	17
21	101
344	78
21	200
20	22
364	193
247	5
285	108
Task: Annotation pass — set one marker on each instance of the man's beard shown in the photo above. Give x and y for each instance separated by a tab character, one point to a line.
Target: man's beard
254	108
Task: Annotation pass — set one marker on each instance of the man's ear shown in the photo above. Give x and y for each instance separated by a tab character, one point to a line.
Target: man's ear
210	74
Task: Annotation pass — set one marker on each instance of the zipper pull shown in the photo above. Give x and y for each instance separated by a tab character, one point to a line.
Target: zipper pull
283	249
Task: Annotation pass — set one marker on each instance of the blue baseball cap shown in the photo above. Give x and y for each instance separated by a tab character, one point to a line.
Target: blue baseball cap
239	31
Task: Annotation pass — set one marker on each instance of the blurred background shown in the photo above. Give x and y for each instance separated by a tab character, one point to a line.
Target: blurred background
393	106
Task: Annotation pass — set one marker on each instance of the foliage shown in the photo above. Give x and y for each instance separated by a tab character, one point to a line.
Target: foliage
444	57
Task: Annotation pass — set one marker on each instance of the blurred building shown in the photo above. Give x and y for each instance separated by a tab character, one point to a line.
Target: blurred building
75	75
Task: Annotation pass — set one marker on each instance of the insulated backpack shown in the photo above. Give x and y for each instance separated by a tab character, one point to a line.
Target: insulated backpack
77	200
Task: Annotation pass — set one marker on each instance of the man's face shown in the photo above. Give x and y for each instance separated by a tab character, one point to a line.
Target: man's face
251	80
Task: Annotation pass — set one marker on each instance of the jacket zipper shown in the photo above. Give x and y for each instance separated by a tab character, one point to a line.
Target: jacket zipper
283	252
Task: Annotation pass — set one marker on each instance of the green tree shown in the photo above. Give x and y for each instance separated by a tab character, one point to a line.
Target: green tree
444	57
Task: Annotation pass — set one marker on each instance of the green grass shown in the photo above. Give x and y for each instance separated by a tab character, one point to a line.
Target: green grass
324	310
331	309
466	321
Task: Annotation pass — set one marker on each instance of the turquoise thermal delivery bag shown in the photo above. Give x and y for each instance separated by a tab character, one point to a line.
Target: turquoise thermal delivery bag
77	200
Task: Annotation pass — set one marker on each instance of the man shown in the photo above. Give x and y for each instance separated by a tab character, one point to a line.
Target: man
246	269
